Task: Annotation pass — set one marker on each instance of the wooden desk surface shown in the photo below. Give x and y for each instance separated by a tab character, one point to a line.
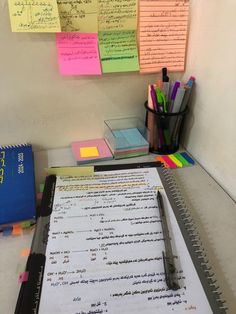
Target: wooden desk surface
214	213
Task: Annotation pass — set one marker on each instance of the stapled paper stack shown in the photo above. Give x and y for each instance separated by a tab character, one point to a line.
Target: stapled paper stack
91	151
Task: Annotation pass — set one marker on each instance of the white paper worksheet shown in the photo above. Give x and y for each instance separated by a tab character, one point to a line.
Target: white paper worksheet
104	252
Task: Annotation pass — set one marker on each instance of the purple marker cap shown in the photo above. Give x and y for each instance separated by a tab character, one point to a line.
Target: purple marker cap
174	90
154	98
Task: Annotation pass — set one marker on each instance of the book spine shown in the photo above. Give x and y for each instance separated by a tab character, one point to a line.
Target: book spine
193	241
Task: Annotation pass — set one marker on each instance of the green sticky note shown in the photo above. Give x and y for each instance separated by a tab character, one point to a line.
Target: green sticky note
118	51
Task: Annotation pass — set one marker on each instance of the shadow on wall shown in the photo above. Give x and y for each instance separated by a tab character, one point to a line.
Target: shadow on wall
189	120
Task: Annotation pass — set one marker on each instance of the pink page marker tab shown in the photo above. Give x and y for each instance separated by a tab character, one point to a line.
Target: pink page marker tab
78	53
169	161
23	277
161	159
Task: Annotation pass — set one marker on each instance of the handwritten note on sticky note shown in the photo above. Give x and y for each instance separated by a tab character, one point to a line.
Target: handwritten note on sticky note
78	54
34	16
89	151
163	34
117	15
118	51
78	16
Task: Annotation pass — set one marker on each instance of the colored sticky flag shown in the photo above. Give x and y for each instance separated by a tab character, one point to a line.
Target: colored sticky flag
169	161
159	158
7	231
25	252
175	160
181	159
23	277
17	230
188	158
25	224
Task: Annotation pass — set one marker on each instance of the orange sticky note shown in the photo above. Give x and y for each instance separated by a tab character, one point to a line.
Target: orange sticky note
25	252
163	29
89	151
16	230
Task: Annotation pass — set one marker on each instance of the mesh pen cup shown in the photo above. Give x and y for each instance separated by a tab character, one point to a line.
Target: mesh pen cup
164	130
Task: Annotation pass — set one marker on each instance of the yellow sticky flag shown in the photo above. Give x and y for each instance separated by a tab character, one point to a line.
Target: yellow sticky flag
176	161
89	152
34	16
71	171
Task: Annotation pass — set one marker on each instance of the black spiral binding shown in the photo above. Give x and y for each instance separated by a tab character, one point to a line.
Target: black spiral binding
14	146
193	242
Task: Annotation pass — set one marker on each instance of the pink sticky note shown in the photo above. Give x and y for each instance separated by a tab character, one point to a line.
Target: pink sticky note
23	277
78	53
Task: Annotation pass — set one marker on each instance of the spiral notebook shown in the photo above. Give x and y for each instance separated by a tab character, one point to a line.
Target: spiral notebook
17	184
98	248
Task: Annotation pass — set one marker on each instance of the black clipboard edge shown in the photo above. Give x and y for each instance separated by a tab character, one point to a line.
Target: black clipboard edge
127	166
30	291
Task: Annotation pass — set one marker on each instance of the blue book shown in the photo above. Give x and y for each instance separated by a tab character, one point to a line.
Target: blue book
17	184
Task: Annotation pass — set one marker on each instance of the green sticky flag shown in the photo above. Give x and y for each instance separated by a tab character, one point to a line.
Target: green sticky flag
181	159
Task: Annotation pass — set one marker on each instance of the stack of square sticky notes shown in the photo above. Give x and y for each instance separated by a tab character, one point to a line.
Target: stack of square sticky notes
91	151
129	143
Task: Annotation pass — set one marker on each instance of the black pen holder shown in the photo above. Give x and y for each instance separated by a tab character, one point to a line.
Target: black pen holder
164	130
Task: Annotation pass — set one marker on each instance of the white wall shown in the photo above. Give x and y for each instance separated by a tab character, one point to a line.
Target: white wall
38	105
211	127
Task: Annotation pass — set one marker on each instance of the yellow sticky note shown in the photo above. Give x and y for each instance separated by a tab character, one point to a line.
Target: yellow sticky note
71	171
25	252
78	16
34	16
117	15
89	152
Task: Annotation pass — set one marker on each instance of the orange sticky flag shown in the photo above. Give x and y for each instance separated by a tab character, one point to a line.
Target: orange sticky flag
25	252
158	158
16	230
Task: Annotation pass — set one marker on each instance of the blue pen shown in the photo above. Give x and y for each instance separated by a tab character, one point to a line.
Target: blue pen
191	81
